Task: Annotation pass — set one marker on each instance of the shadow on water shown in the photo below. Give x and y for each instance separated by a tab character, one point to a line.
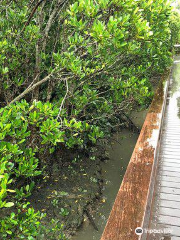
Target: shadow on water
120	151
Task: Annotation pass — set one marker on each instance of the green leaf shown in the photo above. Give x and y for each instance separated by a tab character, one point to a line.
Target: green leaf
10	190
9	204
5	70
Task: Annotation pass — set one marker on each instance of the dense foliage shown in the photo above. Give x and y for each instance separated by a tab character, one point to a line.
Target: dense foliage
175	25
69	70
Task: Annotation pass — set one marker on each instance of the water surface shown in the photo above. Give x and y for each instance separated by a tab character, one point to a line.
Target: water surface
120	151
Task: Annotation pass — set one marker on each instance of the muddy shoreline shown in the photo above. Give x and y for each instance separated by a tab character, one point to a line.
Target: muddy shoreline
69	193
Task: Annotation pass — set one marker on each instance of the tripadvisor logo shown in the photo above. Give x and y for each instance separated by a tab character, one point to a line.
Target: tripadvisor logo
139	231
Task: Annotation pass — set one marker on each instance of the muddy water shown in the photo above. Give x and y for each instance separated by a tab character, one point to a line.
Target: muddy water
113	170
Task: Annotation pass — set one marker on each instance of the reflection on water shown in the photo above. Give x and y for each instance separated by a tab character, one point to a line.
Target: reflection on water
120	152
175	87
178	105
176	76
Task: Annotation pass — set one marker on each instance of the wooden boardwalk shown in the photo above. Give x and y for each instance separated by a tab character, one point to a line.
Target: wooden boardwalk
165	213
149	196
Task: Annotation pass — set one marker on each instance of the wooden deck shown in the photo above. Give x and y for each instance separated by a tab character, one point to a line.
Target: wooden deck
149	196
165	213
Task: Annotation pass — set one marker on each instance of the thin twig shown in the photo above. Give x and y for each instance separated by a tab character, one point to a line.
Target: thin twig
62	103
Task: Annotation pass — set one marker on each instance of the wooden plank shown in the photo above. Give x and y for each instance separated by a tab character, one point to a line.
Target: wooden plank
167	169
170	138
168	132
169	160
169	114
173	138
172	146
170	164
168	190
170	128
168	150
169	200
169	118
169	176
170	184
165	141
167	156
171	221
174	159
166	211
165	131
172	123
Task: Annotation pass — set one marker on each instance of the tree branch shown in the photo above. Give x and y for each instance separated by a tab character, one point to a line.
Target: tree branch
62	103
32	14
30	88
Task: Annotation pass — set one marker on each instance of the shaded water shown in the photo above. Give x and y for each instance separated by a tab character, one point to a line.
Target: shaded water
113	170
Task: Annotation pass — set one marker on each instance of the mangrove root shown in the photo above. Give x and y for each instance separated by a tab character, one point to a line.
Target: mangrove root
91	219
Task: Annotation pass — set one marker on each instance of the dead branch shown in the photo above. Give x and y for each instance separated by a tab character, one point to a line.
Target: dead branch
32	14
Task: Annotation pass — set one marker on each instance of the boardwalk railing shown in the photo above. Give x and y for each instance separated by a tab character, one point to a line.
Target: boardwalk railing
131	208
